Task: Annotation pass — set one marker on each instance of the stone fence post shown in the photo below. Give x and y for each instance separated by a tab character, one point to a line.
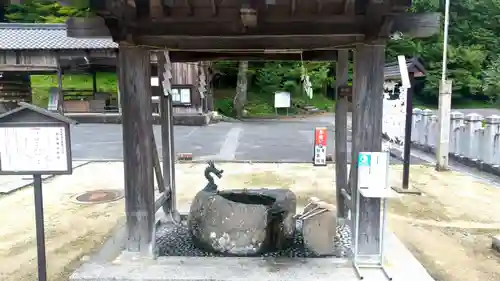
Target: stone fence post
433	131
457	121
415	127
491	141
472	125
425	127
473	137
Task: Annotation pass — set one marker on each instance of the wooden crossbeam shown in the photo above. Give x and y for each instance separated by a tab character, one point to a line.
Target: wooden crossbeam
319	6
374	12
320	55
130	11
221	29
386	27
349	7
248	14
156	9
215	7
417	25
189	5
224	44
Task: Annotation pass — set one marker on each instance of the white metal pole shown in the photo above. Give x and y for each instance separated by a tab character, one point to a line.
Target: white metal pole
445	40
445	90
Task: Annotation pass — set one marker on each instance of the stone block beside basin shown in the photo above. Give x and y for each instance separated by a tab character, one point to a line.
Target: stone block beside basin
242	222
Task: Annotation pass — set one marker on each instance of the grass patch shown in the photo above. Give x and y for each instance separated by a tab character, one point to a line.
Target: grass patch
457	104
40	84
419	104
472	104
262	104
259	103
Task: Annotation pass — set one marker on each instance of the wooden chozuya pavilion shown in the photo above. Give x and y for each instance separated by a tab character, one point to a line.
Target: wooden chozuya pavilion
202	30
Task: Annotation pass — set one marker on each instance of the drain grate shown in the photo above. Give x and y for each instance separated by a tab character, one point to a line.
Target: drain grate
98	196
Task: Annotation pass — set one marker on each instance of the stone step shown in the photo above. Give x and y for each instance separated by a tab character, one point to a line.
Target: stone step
309	107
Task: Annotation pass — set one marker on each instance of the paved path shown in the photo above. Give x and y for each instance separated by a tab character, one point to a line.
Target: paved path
9	184
287	141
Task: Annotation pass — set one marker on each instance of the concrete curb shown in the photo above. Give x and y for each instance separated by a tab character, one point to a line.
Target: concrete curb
181	119
201	161
28	182
473	163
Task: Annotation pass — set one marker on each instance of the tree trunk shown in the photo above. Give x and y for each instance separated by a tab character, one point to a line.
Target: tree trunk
207	66
240	99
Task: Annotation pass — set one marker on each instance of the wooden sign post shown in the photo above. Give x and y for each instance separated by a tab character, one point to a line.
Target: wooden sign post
282	100
35	141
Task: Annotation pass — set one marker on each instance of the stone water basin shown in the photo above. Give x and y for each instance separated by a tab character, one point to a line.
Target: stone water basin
242	222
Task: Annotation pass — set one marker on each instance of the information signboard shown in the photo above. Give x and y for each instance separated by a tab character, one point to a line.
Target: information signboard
373	169
282	100
33	149
35	141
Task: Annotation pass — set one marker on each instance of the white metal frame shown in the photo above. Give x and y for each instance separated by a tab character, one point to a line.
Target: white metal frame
371	261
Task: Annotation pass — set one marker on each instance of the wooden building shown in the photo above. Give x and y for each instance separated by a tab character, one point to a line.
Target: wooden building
27	49
200	30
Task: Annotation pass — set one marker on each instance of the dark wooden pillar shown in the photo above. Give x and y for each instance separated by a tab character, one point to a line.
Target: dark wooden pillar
210	86
167	129
94	82
341	108
135	88
408	125
367	135
60	91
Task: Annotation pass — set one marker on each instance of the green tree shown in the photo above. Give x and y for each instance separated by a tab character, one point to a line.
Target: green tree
473	42
42	11
472	59
491	85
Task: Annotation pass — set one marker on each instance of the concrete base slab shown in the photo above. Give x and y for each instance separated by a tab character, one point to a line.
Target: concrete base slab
115	118
400	265
408	191
10	184
496	243
222	269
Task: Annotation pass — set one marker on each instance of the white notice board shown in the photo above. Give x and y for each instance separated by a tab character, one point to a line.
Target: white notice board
33	149
282	100
155	82
185	95
373	174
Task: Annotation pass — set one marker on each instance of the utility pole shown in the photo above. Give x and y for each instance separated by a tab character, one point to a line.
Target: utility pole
445	90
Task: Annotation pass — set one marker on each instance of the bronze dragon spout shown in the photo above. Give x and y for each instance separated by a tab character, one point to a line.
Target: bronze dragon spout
211	186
